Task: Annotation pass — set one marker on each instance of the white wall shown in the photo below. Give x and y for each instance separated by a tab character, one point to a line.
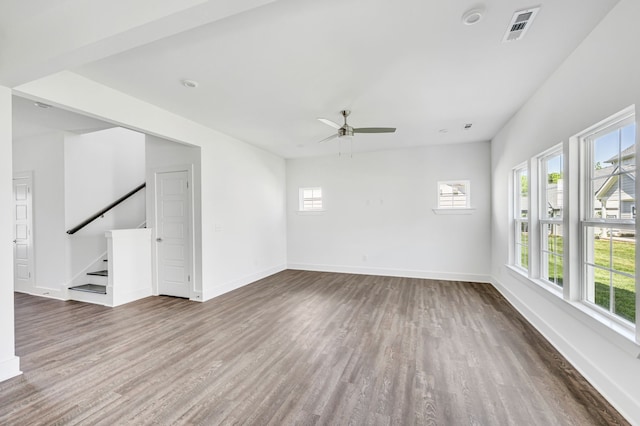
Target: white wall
378	214
243	216
99	168
44	156
242	192
600	78
9	363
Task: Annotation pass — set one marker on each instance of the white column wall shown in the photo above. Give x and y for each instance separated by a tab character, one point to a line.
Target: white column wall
44	156
600	78
9	363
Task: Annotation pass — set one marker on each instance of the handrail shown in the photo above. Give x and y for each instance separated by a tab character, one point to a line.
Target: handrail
104	210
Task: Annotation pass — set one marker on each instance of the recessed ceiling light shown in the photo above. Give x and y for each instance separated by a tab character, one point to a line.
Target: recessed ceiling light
468	126
443	130
191	84
42	105
473	16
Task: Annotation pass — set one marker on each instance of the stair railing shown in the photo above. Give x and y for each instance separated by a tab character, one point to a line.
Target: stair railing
104	210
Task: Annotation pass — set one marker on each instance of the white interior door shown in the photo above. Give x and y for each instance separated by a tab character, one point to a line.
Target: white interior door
173	233
23	266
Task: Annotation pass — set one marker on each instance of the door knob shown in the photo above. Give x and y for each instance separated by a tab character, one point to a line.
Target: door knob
159	239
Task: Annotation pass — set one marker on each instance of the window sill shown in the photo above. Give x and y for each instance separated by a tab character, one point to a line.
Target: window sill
311	212
606	327
454	211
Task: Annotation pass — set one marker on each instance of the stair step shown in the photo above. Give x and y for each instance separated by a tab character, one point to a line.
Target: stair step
90	288
103	273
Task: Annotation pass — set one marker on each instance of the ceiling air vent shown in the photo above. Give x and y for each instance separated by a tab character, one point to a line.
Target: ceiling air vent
520	24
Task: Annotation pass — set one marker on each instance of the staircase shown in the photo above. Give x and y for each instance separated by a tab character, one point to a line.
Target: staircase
95	291
97	285
128	275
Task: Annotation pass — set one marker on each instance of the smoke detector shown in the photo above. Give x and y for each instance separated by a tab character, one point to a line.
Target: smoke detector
520	24
473	16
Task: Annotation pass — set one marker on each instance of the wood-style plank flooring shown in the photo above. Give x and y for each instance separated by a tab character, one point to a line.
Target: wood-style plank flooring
295	348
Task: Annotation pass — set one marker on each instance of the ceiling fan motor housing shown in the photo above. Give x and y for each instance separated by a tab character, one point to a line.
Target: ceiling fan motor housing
345	131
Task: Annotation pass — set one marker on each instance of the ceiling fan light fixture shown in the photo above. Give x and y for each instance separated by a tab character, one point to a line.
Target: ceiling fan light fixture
473	16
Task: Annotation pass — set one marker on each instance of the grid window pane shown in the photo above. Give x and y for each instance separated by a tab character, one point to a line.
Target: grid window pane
624	293
310	199
453	195
552	253
610	269
522	194
553	187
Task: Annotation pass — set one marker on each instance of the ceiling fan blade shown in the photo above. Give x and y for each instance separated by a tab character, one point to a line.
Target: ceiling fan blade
375	130
328	139
329	123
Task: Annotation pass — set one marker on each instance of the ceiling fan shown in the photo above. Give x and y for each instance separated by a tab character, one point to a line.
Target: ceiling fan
348	131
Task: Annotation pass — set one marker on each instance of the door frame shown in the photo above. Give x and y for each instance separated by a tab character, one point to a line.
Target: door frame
28	175
152	220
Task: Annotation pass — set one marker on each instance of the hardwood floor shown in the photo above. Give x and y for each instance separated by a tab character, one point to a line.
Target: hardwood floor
295	348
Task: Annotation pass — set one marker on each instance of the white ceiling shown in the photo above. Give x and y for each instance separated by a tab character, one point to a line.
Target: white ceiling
268	71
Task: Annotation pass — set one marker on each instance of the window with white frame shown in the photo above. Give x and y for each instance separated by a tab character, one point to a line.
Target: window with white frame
608	222
310	199
551	191
454	194
594	218
521	216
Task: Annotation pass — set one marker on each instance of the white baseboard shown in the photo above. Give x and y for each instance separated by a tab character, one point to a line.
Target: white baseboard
9	368
609	389
131	296
43	292
241	282
387	272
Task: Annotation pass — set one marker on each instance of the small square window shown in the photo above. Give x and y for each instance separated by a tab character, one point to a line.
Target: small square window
454	194
310	199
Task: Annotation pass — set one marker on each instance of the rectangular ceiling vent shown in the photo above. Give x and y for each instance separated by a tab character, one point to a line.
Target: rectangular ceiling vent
520	24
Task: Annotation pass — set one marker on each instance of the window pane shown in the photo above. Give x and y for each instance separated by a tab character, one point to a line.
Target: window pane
556	270
523	244
627	146
624	289
602	248
523	194
611	251
624	252
599	188
552	253
553	187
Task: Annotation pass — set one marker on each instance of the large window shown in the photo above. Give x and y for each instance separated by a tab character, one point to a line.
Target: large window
551	214
574	221
608	225
521	216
